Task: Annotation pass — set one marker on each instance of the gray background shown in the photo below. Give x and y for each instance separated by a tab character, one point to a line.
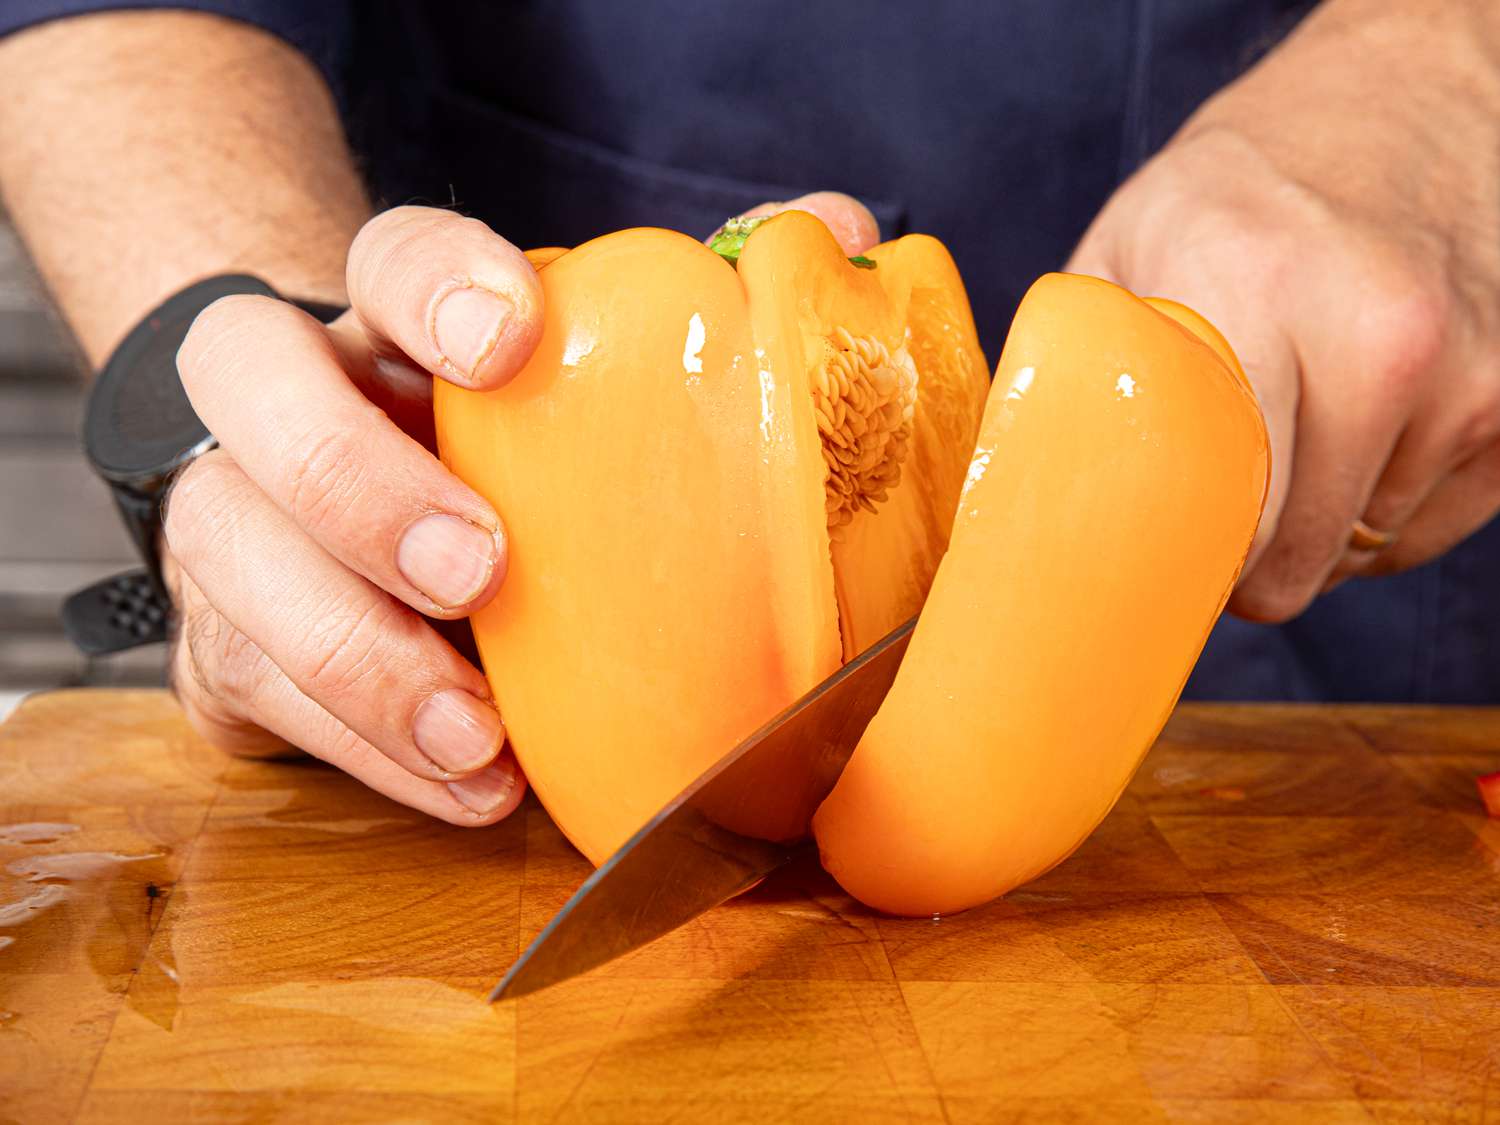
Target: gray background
58	529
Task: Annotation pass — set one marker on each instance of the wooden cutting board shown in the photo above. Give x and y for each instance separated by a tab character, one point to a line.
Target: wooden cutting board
1293	915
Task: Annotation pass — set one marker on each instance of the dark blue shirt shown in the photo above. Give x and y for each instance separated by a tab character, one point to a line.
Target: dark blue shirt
999	127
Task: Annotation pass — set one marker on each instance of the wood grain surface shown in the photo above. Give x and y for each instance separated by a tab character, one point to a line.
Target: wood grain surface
1293	915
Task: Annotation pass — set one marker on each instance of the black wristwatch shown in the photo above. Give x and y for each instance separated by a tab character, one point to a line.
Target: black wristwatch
139	429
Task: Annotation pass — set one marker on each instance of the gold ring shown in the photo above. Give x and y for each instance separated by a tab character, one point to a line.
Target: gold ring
1363	537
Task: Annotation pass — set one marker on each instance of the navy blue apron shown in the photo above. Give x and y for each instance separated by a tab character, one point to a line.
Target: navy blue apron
999	127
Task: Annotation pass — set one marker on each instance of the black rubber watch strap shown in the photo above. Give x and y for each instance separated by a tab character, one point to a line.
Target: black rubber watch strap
324	312
118	613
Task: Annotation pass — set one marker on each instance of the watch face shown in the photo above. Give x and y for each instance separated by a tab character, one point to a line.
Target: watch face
140	425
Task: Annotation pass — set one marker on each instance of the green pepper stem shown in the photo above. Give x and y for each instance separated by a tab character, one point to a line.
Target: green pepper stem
729	239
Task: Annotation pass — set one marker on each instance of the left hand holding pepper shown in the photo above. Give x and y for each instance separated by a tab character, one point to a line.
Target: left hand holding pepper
1336	213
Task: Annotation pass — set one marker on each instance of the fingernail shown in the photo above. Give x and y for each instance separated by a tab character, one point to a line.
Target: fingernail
448	559
487	790
457	731
466	325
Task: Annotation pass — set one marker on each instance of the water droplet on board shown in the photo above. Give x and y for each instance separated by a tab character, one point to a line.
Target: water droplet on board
69	867
40	832
24	910
157	990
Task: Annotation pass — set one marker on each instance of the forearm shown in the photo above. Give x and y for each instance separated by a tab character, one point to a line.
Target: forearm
1414	65
1469	27
142	150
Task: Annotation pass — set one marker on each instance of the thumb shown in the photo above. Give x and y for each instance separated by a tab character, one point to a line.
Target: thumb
1094	256
849	220
448	293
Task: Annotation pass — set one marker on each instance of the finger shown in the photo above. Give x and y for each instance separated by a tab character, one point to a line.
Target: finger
1449	430
447	292
849	220
1366	360
1337	458
1460	505
1276	384
268	383
370	662
392	383
239	700
1423	458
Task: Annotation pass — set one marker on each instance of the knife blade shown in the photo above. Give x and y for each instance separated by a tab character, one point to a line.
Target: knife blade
744	817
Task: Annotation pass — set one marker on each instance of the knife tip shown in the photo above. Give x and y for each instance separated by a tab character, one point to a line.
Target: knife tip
516	982
503	990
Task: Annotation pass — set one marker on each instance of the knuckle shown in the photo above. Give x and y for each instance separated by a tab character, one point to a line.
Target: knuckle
327	473
224	663
199	634
342	654
1403	331
1393	502
1480	426
346	746
242	668
183	680
339	745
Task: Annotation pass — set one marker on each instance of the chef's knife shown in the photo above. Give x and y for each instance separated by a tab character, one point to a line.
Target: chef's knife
689	858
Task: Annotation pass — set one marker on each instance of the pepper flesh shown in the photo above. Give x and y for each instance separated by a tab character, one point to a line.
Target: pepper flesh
1116	486
661	473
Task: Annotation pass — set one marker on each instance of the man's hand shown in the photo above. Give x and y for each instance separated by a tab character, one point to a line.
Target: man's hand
305	550
1337	214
